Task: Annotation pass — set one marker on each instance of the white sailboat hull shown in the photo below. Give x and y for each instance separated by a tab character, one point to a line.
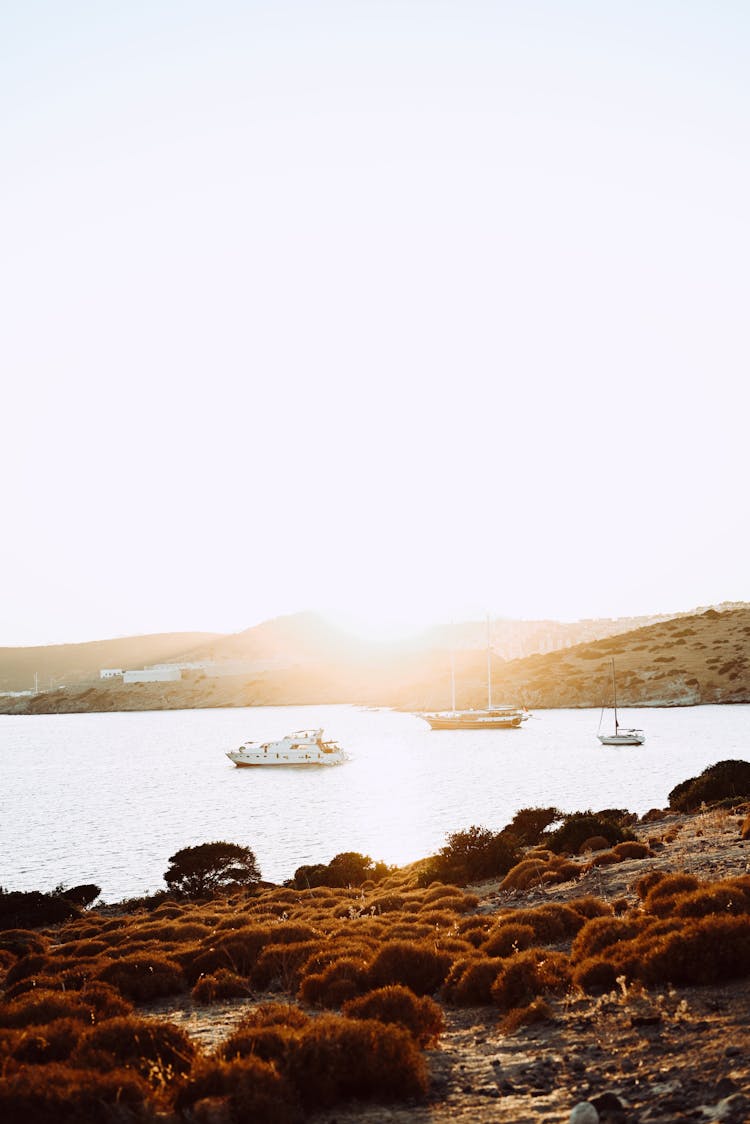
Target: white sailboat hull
627	737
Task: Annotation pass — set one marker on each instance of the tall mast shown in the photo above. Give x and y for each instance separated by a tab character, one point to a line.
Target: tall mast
614	692
453	681
489	667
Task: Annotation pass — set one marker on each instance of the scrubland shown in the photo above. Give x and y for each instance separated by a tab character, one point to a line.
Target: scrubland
617	972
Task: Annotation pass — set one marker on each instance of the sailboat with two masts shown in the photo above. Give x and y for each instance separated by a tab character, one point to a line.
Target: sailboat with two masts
621	736
493	718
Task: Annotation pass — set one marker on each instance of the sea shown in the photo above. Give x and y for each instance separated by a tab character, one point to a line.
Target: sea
108	798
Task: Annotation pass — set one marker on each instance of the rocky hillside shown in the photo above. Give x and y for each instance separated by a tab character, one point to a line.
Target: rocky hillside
699	659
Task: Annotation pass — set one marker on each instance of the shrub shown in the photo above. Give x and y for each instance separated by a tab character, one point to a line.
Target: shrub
632	850
237	951
474	929
591	907
529	974
154	1049
144	977
552	922
400	1006
538	1011
346	869
603	858
22	942
594	843
476	854
209	868
54	1042
57	1093
580	826
708	950
469	983
660	898
745	828
81	895
543	870
337	1059
528	824
725	779
41	1007
27	966
282	964
343	979
504	940
415	964
222	985
275	1014
252	1089
32	909
601	932
647	881
728	896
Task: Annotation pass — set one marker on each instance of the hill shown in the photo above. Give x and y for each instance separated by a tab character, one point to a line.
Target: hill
698	658
79	663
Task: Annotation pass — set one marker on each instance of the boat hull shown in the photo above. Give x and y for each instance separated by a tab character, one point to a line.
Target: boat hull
248	762
301	749
622	739
478	721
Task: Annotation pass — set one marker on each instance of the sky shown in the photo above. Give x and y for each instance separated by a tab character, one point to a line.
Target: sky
398	311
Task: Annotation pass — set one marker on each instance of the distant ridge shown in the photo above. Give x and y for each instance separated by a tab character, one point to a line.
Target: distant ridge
687	659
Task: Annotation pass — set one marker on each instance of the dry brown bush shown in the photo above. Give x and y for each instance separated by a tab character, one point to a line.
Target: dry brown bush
469	983
344	979
601	932
251	1089
57	1093
593	843
602	858
222	985
660	899
506	939
337	1059
158	1051
632	850
283	964
422	1017
415	964
529	974
474	929
53	1042
538	1011
144	977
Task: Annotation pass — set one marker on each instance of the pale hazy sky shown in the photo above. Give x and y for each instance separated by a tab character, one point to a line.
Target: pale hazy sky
399	309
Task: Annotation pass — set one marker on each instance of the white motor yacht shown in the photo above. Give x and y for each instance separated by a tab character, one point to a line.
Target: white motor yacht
303	747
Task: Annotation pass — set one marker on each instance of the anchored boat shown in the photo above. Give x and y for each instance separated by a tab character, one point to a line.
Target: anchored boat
491	718
303	747
621	736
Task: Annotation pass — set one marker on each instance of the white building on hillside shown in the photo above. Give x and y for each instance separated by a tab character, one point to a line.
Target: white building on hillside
153	675
110	672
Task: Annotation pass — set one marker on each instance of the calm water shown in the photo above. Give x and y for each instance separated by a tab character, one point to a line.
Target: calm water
107	798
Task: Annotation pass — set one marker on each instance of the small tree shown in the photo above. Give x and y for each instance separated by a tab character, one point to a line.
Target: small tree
472	855
208	868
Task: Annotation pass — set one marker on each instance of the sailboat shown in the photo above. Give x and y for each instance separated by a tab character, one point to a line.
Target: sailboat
493	718
621	736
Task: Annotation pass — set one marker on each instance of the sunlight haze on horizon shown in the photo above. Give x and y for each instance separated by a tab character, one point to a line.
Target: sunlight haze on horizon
401	313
